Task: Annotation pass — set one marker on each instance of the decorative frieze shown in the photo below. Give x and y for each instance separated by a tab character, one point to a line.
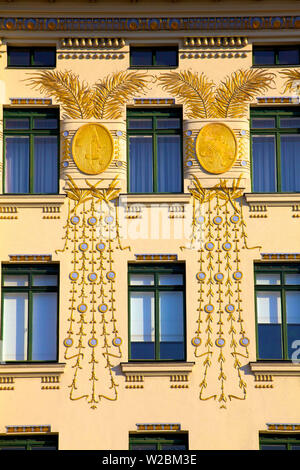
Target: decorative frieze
28	429
93	43
280	256
31	101
154	101
283	427
90	55
258	211
213	55
50	382
158	427
156	257
215	41
34	258
277	100
6	383
263	381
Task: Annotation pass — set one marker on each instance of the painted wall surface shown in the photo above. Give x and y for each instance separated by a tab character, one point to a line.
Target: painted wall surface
94	396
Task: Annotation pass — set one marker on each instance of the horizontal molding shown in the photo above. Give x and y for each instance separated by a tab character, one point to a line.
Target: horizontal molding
154	369
155	198
32	200
93	43
287	369
215	41
28	370
273	199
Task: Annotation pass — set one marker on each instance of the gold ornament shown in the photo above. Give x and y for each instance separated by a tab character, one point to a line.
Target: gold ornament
216	148
92	148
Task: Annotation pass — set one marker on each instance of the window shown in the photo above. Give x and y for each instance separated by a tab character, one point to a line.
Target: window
156	312
157	441
275	140
154	57
31	57
28	442
155	151
277	290
29	313
31	151
279	441
276	55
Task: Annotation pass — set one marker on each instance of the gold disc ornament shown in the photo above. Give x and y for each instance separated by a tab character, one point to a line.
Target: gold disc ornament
92	148
216	148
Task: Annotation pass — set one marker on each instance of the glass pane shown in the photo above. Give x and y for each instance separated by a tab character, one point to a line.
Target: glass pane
268	307
263	123
169	164
292	279
263	57
15	327
44	326
264	164
140	164
14	123
293	338
44	280
269	341
171	325
141	57
290	122
44	57
288	56
173	447
143	447
142	325
171	279
39	447
19	57
290	162
45	164
17	164
15	280
141	279
293	307
44	123
13	447
170	123
273	447
267	279
295	447
166	57
140	123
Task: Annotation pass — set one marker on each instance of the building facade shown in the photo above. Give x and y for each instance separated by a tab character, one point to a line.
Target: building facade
150	256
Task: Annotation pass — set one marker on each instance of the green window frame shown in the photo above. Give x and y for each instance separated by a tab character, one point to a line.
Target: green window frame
159	441
49	62
161	160
153	56
276	52
268	441
29	320
158	328
25	171
275	149
31	442
277	296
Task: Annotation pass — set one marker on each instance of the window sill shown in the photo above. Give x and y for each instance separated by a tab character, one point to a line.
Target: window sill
273	199
31	370
155	198
278	368
156	369
32	200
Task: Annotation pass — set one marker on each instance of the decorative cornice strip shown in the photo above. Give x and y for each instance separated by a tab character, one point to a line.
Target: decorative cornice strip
276	256
34	101
154	101
90	55
158	427
278	100
283	427
95	43
219	41
28	428
213	55
239	23
156	257
30	257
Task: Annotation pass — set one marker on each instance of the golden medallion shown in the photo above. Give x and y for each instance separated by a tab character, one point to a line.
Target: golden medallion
216	148
92	148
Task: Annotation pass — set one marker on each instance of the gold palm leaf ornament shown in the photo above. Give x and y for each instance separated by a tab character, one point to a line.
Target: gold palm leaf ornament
291	76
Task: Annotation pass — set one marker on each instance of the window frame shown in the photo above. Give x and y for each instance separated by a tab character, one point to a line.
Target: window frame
282	269
276	50
279	439
154	114
30	270
159	439
277	113
157	269
38	441
31	114
154	50
31	50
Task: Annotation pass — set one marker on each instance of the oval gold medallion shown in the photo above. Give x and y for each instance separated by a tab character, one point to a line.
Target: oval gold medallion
216	148
92	148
